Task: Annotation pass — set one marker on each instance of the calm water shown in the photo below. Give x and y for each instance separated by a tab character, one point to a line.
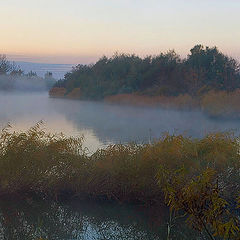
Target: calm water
31	220
101	124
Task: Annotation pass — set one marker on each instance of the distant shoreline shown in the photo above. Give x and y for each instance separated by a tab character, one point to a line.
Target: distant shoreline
215	104
58	69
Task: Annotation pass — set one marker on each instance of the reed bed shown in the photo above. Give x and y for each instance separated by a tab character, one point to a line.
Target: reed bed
172	171
216	104
221	104
181	102
36	161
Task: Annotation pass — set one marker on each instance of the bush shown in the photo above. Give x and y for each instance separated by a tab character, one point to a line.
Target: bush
199	177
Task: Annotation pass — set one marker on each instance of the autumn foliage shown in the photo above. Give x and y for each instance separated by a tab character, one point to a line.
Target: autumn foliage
217	104
222	104
57	92
74	94
196	178
181	102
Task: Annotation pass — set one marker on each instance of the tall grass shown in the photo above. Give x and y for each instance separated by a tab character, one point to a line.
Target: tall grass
181	102
57	92
174	170
218	104
36	161
62	93
221	104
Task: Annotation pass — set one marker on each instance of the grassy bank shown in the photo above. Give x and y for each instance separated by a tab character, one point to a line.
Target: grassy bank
181	102
217	104
197	177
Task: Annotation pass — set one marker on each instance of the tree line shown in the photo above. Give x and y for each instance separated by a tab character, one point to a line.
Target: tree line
12	77
204	69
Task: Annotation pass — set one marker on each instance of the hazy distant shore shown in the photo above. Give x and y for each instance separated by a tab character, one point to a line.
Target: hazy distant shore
217	104
207	80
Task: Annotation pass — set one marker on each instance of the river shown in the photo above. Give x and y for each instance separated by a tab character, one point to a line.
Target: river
100	124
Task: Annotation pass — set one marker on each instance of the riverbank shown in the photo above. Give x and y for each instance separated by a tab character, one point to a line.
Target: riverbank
59	92
215	104
172	171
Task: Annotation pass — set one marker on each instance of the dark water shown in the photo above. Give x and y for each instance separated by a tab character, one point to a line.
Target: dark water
101	124
31	220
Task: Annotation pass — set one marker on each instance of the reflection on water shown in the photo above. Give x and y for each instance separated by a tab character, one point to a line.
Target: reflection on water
73	221
25	110
103	123
33	220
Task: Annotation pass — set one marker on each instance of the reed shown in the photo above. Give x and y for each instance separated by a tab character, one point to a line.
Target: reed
57	92
181	102
42	162
173	170
221	104
216	104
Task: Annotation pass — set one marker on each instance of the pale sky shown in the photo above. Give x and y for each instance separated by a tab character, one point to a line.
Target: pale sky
76	31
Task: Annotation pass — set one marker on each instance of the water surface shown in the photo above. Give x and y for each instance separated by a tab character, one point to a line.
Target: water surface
103	123
32	219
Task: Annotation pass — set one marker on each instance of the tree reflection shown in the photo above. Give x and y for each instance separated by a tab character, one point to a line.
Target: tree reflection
30	220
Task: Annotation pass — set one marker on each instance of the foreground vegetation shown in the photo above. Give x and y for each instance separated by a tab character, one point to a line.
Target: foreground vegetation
196	178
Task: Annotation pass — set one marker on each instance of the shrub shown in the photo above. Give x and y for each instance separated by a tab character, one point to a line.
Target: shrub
198	177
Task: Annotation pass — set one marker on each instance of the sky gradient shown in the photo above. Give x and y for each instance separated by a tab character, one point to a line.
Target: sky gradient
76	31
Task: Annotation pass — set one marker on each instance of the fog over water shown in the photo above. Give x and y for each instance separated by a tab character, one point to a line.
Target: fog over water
103	123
